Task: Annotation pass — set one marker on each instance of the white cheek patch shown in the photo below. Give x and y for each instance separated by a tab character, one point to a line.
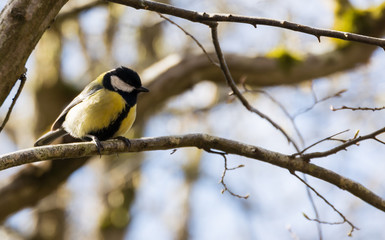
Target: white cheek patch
118	84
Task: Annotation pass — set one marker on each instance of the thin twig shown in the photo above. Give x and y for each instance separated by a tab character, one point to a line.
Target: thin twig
378	140
225	169
283	109
316	101
287	114
320	141
234	88
192	37
331	205
357	108
343	146
22	79
208	18
322	222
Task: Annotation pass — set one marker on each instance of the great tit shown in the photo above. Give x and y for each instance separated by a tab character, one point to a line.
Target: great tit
105	109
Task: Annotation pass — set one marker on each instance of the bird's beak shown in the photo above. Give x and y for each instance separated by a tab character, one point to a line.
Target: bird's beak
142	89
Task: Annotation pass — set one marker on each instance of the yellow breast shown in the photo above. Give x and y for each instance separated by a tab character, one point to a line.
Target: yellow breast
97	112
127	123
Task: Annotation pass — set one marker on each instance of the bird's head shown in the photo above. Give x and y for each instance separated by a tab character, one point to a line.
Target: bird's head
124	81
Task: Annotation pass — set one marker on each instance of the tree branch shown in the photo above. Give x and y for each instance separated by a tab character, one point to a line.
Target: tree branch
358	108
330	205
216	17
192	37
22	23
234	88
345	145
22	78
265	70
202	141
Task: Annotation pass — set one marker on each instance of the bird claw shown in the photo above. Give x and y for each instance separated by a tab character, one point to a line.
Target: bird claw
99	145
96	141
125	140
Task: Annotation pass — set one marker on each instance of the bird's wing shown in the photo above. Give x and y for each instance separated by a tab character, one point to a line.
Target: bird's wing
88	91
50	137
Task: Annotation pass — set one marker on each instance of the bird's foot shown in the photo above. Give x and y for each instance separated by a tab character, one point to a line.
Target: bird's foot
125	140
95	140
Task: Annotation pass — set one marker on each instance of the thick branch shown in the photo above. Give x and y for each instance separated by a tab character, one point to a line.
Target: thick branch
22	23
202	141
216	17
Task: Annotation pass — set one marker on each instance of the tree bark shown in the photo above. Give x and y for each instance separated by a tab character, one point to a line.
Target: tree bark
22	23
207	142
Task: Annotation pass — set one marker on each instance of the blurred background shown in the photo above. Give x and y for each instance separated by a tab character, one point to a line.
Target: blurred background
177	195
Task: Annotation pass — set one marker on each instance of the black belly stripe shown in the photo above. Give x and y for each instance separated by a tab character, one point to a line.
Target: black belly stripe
108	132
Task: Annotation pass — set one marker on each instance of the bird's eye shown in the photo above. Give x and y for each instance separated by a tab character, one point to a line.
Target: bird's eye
119	84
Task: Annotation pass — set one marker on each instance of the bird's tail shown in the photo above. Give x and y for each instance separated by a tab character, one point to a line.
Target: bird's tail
50	137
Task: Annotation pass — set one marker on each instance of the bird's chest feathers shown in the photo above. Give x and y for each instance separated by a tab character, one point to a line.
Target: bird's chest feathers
97	113
127	122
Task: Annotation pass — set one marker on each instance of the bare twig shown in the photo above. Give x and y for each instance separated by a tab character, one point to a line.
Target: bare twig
208	18
322	222
378	140
316	101
192	37
292	119
283	109
320	141
345	145
234	88
225	169
23	79
330	205
357	108
287	114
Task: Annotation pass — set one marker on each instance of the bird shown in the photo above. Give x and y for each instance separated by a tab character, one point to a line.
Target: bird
105	109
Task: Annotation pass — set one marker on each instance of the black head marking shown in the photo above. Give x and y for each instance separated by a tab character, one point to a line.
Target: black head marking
127	75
